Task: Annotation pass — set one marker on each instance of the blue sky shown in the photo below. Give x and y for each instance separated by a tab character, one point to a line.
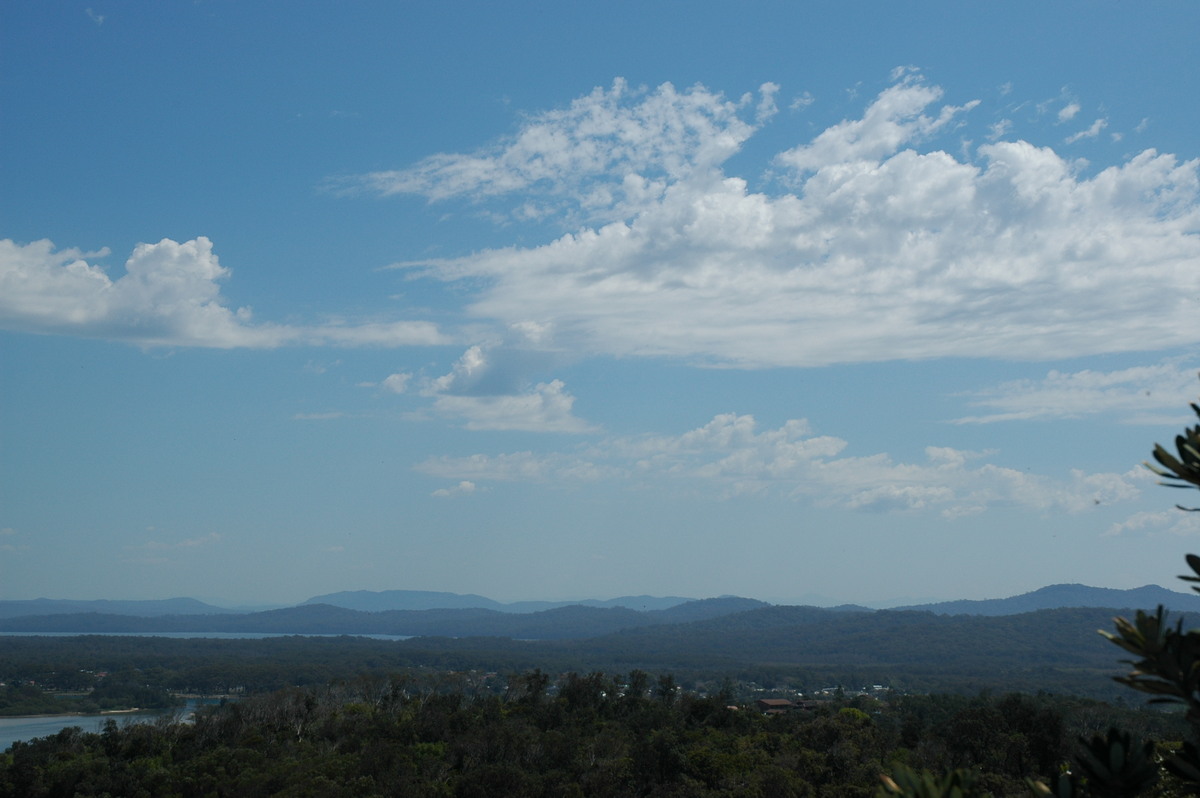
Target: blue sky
807	302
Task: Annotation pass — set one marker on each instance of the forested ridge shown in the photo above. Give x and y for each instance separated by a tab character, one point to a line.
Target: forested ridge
798	647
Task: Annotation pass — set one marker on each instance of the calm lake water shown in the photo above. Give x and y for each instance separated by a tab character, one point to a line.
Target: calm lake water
197	635
23	729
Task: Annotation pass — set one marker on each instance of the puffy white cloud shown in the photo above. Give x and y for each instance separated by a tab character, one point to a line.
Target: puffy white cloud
169	296
545	408
1068	112
464	488
880	251
464	376
1142	394
731	456
486	390
397	383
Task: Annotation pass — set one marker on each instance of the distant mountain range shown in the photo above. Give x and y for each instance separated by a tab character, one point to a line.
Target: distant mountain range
559	623
1060	596
372	601
418	613
44	606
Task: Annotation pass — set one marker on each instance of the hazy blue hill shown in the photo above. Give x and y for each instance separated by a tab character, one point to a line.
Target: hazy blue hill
771	617
383	600
573	621
703	609
306	619
676	609
851	608
148	608
1061	596
639	603
570	622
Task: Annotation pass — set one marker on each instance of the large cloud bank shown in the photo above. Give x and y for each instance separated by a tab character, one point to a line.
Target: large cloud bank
872	248
868	242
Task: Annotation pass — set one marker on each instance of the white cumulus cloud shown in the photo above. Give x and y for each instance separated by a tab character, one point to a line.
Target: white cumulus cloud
897	117
878	250
463	488
486	389
397	383
169	295
1068	112
544	408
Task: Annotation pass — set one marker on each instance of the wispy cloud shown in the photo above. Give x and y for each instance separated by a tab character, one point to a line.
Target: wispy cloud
187	543
612	148
1169	522
5	545
1143	394
731	456
802	101
158	552
1091	133
999	130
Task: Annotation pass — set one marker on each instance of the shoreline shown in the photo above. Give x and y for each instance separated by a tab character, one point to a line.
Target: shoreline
188	697
99	714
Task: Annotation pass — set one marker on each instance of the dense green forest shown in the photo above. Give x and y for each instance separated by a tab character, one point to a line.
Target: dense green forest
113	692
580	735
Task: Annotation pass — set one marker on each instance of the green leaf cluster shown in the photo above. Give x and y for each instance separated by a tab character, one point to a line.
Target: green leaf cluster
1182	469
